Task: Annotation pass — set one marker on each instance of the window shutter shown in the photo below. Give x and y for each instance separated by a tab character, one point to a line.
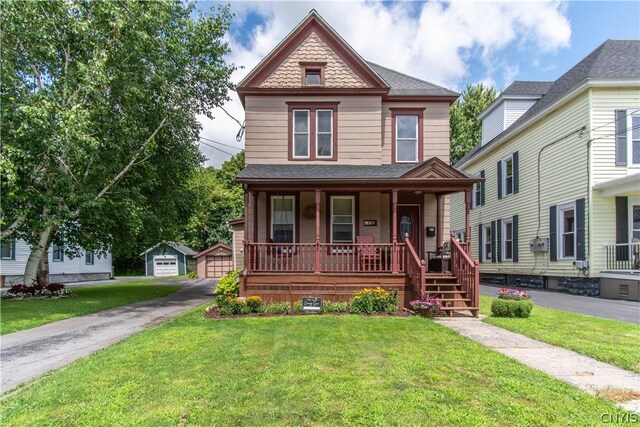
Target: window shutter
553	233
493	241
480	242
515	238
499	240
482	189
516	173
622	227
499	180
621	137
580	230
13	248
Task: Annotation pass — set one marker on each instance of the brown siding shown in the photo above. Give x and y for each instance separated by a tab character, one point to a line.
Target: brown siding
238	247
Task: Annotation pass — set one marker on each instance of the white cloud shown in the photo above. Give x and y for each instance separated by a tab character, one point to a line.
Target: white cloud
434	41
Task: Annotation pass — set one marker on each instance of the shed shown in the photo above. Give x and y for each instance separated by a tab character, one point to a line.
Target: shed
215	261
168	259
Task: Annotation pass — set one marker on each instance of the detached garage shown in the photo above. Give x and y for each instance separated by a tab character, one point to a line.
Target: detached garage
214	262
168	259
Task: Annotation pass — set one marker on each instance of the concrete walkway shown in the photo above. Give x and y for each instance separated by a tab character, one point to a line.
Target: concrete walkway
626	311
582	372
28	354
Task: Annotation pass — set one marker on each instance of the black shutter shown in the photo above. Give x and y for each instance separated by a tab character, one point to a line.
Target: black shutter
515	238
499	240
516	173
493	241
482	189
499	180
13	248
621	137
580	230
553	233
480	242
622	228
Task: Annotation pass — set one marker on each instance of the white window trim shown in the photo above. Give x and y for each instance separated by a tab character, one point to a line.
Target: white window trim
503	165
560	221
475	197
53	253
459	236
12	247
417	138
318	132
485	256
353	218
503	238
631	202
629	124
93	258
293	129
293	204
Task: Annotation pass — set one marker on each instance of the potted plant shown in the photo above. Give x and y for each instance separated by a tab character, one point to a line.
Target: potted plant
428	307
512	303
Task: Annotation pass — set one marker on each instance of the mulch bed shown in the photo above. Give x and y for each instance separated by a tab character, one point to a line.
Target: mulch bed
213	313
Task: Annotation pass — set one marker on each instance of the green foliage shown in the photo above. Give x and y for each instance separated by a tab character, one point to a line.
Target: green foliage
228	285
511	308
283	307
99	117
466	129
297	306
335	306
372	300
254	303
192	275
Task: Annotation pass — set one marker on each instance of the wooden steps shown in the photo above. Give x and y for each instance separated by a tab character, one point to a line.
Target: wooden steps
445	288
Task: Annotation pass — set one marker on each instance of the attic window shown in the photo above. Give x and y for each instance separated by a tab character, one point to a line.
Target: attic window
312	76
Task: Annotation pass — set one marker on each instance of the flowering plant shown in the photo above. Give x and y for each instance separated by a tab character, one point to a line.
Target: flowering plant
426	306
35	290
512	294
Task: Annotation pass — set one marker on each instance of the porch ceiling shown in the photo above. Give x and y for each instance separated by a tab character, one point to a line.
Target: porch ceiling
626	186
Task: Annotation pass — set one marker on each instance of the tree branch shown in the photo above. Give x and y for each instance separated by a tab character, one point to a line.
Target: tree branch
12	228
132	162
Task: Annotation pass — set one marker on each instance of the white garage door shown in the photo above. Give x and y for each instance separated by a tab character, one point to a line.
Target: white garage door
164	266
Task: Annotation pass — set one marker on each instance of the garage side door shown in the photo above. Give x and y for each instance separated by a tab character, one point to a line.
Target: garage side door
218	265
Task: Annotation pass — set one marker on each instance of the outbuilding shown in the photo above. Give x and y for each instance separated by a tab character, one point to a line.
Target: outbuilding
168	259
215	261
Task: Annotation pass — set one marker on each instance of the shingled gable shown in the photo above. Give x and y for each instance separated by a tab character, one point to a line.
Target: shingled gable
434	168
312	24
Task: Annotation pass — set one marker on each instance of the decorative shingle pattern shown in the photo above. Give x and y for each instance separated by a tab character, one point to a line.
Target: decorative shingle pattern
313	49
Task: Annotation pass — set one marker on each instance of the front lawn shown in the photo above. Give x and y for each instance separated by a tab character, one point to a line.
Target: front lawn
300	370
26	314
606	340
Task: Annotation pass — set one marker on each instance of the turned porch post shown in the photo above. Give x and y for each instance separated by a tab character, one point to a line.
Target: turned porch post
316	268
467	220
254	208
394	231
247	254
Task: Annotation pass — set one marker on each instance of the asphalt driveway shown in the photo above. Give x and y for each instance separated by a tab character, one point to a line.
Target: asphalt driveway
626	311
31	353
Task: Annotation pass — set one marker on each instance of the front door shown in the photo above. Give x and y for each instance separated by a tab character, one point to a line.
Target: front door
409	223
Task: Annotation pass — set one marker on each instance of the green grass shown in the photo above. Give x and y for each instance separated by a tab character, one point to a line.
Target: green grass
17	315
300	370
606	340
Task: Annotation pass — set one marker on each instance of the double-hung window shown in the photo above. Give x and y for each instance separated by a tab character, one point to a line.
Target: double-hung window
8	249
567	231
634	138
313	131
58	251
342	219
406	132
507	239
507	175
89	258
477	193
459	236
487	252
283	224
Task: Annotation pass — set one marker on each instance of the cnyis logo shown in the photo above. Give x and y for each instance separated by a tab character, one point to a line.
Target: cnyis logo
620	418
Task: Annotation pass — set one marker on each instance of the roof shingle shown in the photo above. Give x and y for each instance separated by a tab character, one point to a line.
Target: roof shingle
404	85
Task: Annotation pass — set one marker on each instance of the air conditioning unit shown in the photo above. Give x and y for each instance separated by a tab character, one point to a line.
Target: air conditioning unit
581	265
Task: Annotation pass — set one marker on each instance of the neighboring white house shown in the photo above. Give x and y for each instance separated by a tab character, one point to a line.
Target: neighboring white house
560	204
90	266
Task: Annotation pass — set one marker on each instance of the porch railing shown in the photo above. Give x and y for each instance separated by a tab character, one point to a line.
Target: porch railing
415	269
466	271
623	256
325	257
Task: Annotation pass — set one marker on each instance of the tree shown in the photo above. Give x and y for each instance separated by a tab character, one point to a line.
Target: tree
218	199
99	116
466	129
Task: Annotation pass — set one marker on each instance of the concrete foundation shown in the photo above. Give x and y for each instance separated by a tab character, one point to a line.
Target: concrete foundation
572	285
614	288
60	278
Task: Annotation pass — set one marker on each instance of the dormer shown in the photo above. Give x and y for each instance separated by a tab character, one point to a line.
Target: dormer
510	106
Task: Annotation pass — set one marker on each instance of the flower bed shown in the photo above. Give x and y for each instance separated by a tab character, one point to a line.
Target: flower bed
428	307
52	290
512	303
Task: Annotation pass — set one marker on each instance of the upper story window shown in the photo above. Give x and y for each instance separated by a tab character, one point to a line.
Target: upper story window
477	195
634	137
508	175
313	131
627	137
313	73
8	249
407	135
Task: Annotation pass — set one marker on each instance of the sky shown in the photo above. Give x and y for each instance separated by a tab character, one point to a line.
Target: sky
452	44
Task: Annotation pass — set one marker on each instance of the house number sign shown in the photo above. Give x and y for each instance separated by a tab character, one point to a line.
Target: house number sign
370	222
313	304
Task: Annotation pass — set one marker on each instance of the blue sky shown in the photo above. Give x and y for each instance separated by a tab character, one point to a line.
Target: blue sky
452	44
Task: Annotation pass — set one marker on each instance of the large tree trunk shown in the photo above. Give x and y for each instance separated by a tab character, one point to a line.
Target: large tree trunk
35	257
43	268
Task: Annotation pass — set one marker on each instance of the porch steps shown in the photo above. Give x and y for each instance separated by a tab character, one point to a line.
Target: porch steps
445	287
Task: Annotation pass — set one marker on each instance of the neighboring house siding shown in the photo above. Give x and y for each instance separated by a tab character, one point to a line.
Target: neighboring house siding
493	123
238	246
514	109
267	129
564	179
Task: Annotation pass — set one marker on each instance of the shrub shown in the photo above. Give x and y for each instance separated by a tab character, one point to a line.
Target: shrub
278	308
192	275
426	306
374	300
297	306
512	294
254	303
234	306
35	290
502	307
335	306
229	284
